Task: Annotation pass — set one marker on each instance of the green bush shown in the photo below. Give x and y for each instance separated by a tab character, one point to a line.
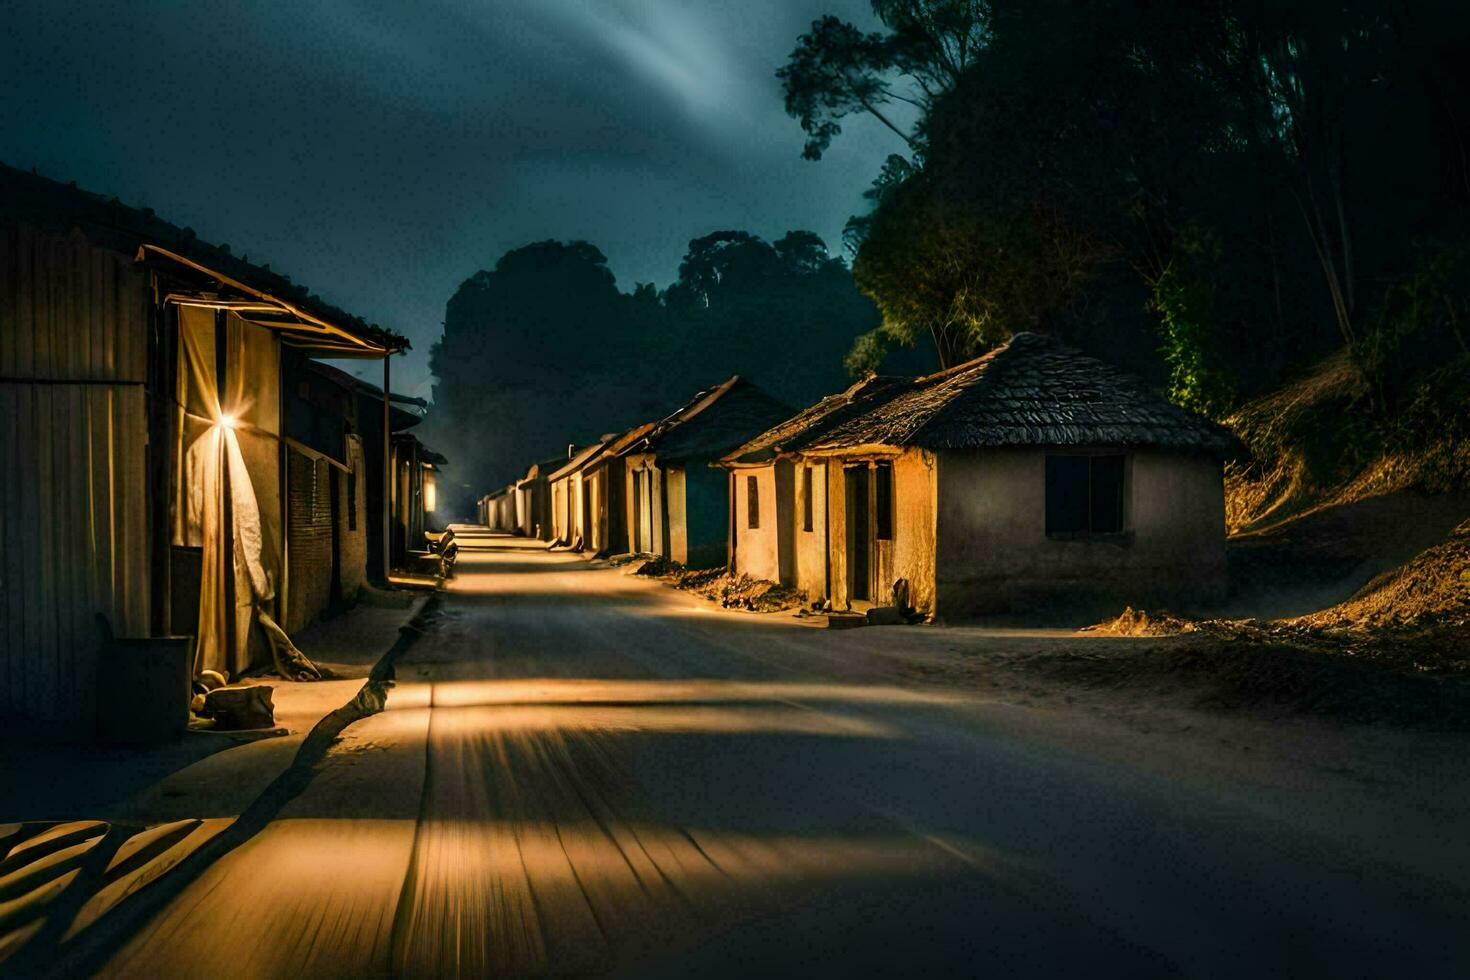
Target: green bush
1183	297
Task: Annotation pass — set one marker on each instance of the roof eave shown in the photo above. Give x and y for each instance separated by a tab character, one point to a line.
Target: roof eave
860	449
335	340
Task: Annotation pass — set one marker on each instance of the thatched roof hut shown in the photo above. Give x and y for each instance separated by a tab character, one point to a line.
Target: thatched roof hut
1032	391
812	425
712	423
1027	480
677	505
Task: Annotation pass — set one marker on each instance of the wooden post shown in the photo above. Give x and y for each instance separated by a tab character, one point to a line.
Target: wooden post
283	489
387	476
162	422
227	504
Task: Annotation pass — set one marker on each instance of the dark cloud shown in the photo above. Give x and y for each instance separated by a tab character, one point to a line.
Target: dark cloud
382	152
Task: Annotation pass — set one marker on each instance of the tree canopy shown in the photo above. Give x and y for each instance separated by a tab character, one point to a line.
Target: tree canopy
544	350
1212	193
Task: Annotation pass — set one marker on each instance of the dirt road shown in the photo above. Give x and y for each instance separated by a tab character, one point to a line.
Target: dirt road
584	772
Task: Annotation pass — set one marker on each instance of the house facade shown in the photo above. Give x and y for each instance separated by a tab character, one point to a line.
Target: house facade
606	486
327	521
677	503
572	496
145	454
1032	479
498	510
778	495
414	498
533	500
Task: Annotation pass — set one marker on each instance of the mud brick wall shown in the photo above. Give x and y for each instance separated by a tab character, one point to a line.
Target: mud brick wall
309	539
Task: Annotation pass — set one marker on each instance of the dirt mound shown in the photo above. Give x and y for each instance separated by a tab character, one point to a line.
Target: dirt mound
739	591
1138	622
717	585
1432	589
1342	512
1294	462
1317	443
655	567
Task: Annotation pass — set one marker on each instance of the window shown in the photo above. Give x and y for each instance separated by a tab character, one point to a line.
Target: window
807	523
752	502
883	502
1084	495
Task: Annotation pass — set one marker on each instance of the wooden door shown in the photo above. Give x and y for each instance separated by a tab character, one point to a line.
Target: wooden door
859	534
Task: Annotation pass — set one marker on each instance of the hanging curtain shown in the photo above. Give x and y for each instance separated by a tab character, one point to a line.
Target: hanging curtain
228	451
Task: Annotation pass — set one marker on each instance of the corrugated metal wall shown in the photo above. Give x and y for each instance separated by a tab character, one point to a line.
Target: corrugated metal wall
73	473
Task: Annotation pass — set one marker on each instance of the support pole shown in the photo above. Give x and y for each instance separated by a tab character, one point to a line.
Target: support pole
387	476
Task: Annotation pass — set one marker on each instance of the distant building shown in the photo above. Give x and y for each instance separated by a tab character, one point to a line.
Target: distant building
571	504
533	500
416	470
498	510
678	506
605	480
149	455
1032	479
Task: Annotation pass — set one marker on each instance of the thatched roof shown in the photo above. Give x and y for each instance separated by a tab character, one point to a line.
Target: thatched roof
539	471
48	204
714	422
809	426
626	439
578	460
1033	391
611	444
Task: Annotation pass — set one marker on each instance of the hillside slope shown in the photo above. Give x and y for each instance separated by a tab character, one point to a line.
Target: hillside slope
1330	524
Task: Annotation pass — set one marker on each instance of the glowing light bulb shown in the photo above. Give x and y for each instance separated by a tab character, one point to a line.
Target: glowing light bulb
228	421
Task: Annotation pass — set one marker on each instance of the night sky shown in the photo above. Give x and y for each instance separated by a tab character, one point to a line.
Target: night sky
379	153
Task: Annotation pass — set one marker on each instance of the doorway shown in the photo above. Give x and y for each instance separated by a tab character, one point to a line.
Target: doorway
859	533
637	535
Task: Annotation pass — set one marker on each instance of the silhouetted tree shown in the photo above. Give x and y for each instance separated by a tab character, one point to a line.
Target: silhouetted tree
1202	190
544	350
837	69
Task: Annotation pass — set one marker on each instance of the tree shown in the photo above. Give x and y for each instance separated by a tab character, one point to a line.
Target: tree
780	314
963	279
543	349
533	350
837	69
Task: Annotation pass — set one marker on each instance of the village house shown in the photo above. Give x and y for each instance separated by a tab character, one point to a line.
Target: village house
334	438
533	500
605	480
677	504
326	490
1031	480
414	499
370	417
148	452
778	499
498	510
570	503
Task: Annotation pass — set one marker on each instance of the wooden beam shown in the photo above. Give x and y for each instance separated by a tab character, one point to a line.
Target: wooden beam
387	472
